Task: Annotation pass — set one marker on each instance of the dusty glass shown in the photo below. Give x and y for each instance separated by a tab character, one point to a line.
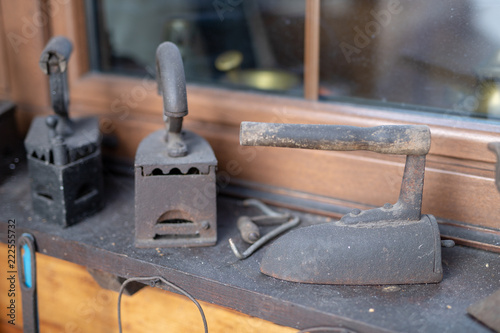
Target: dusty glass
256	45
426	55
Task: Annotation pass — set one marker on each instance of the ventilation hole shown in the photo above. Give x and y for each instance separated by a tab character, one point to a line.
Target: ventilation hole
51	157
174	221
175	236
34	155
84	192
175	171
175	216
193	171
42	158
157	172
45	195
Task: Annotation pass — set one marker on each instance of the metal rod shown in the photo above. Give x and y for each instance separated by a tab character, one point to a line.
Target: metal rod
264	239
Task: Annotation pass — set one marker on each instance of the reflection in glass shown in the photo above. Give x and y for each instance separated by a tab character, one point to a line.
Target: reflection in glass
243	44
442	55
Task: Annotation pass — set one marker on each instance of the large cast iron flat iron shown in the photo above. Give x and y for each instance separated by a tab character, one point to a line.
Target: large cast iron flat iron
393	244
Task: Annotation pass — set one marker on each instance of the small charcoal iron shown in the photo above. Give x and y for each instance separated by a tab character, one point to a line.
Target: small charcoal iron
393	244
175	190
64	155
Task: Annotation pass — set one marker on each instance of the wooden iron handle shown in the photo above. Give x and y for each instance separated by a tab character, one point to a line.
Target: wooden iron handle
387	139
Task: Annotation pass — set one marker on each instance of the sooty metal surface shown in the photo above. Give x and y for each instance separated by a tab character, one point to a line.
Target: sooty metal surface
64	155
175	190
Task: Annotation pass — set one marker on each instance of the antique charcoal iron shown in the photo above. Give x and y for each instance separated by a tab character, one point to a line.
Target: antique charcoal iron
175	191
64	155
393	244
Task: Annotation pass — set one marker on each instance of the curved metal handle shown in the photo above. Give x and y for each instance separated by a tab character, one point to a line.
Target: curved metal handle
388	139
54	62
411	140
55	55
172	85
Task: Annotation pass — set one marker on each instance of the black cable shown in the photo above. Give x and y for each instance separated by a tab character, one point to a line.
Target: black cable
154	280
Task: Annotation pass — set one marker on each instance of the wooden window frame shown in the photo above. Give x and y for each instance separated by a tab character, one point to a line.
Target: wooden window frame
459	186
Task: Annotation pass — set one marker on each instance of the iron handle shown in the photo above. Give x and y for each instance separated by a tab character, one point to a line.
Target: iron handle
387	139
55	55
172	86
54	62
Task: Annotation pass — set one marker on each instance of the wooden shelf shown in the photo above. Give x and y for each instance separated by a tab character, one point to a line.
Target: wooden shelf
213	274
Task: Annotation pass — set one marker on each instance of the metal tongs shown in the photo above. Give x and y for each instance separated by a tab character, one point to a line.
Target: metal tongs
249	230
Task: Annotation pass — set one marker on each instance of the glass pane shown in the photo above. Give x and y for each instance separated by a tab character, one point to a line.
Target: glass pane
234	43
428	55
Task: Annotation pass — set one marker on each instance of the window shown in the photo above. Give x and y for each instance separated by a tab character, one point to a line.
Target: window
418	55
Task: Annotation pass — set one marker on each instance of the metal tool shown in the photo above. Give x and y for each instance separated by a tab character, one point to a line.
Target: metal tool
175	189
64	154
26	266
250	231
393	244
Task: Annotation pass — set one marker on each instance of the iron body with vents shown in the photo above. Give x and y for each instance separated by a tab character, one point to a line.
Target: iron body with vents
175	171
64	155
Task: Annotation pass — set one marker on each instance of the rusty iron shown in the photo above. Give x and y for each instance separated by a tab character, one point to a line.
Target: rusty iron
250	231
26	266
175	189
393	244
64	154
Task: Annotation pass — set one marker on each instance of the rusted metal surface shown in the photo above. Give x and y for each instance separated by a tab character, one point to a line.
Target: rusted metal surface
64	154
249	231
388	139
175	190
392	244
26	266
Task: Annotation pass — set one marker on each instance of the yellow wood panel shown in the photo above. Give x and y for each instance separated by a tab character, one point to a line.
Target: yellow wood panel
25	25
71	301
